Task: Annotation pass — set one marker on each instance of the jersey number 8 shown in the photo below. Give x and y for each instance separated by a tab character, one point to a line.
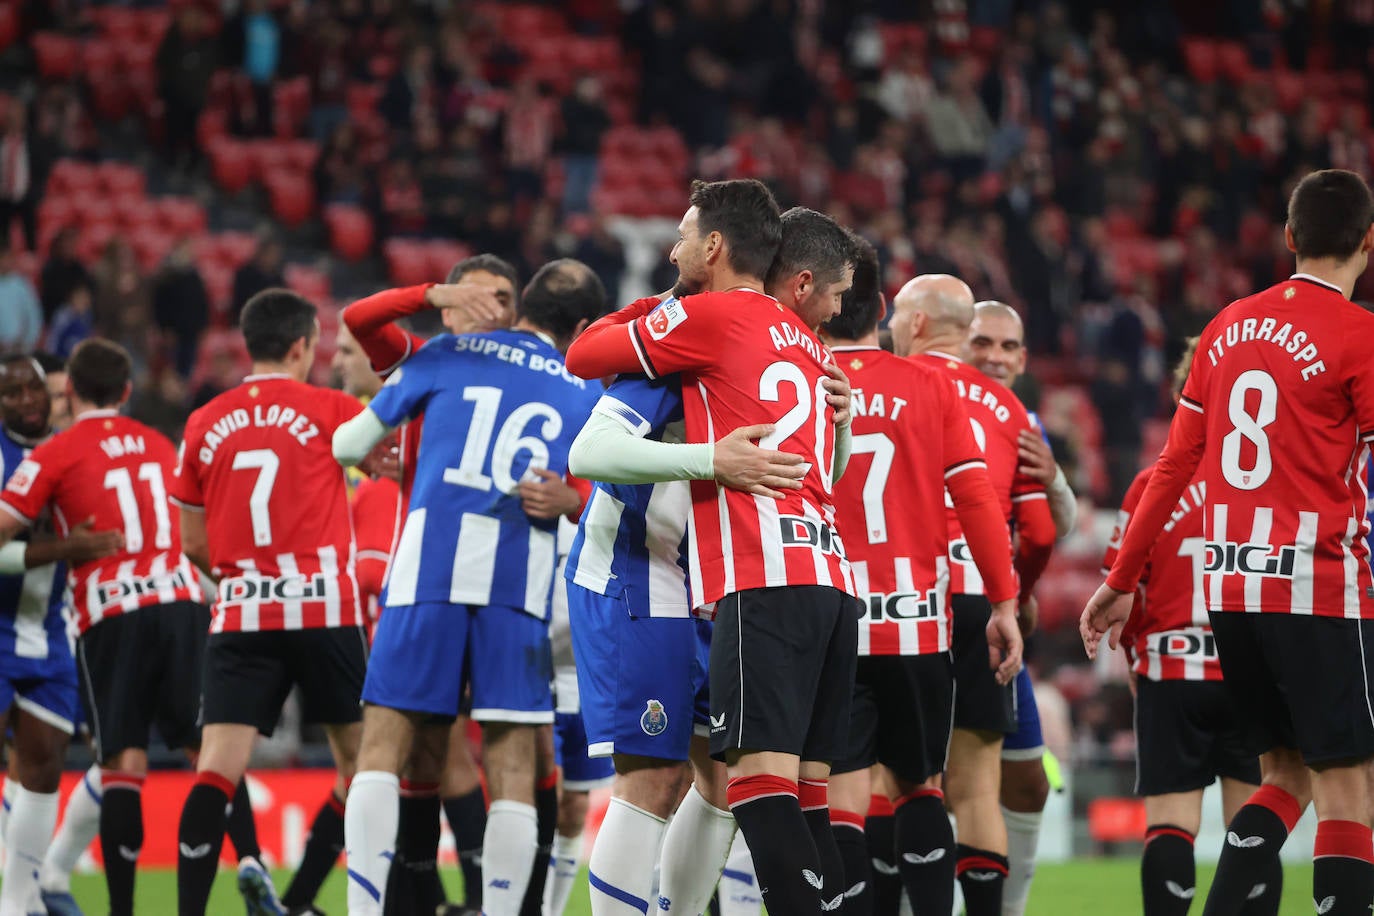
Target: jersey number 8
1249	428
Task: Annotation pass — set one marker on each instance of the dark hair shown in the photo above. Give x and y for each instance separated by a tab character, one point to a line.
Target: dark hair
561	294
1330	212
99	371
862	304
48	362
490	263
273	320
744	212
1185	364
811	241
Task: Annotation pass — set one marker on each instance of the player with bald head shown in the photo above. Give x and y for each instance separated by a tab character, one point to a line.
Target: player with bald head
933	314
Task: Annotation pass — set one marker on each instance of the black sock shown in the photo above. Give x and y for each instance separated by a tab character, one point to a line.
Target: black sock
924	841
322	848
785	856
1265	897
413	884
1168	875
199	838
848	829
546	808
981	876
121	837
240	825
879	830
467	818
1343	869
1253	840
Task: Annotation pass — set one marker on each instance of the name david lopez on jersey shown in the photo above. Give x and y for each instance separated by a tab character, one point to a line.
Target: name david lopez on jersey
269	416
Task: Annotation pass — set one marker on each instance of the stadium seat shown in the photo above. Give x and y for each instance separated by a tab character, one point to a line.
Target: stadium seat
134	212
302	154
350	231
1200	57
443	255
1233	61
310	282
292	196
9	25
151	246
233	248
58	56
119	178
182	215
362	98
231	163
98	59
407	262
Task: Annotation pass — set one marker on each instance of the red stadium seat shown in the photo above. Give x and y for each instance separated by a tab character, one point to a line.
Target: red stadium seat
443	255
153	23
231	163
219	285
119	178
58	56
182	215
1200	56
118	23
361	98
134	212
270	156
98	59
350	231
9	25
407	262
292	196
302	154
233	248
1288	89
310	282
151	246
213	124
94	238
56	211
1233	60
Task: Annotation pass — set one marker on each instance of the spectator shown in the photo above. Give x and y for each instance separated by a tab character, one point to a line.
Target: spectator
159	399
906	89
181	306
186	60
401	201
957	125
73	323
258	36
21	319
528	136
585	122
19	185
62	273
410	89
122	305
262	271
340	175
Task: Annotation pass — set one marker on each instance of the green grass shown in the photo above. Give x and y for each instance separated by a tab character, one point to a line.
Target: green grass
1089	886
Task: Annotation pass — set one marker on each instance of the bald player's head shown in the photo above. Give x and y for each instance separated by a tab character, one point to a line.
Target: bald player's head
996	342
931	307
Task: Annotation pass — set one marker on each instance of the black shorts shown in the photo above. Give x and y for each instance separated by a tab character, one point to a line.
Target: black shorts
1187	734
980	703
782	671
248	676
901	715
1300	682
140	669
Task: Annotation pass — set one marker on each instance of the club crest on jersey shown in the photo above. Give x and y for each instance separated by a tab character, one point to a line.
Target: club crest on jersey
904	606
663	319
1250	559
654	721
23	477
803	532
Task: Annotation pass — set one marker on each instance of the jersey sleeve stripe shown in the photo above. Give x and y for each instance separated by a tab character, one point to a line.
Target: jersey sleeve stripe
643	354
1368	437
381	555
624	414
16	513
192	507
410	346
1190	404
1027	497
965	466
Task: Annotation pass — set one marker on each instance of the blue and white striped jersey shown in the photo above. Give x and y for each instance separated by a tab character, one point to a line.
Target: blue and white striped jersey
631	541
497	404
32	624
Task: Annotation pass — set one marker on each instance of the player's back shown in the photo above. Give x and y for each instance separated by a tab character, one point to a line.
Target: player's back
31	619
114	471
1284	381
495	406
258	460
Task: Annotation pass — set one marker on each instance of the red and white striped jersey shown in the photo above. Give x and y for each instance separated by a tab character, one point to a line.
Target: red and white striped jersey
910	435
377	515
1278	414
997	417
745	360
114	470
1168	637
258	461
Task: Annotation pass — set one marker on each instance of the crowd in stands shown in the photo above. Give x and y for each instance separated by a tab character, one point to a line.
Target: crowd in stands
1117	174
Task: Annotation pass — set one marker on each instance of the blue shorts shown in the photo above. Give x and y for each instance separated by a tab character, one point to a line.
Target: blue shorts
581	773
418	655
1026	743
45	688
642	679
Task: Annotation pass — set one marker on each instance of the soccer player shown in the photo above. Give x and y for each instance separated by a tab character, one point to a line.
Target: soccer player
480	587
264	510
138	609
55	377
931	318
771	560
996	347
1188	730
1278	414
912	440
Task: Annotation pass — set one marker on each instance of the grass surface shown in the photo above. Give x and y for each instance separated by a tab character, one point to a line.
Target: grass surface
1090	886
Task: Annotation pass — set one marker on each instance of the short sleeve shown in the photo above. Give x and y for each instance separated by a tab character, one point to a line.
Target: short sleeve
30	488
409	387
186	489
961	451
681	334
641	405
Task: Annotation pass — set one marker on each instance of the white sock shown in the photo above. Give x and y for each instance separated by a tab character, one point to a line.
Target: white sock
508	849
1023	837
80	826
739	886
6	803
623	858
370	818
567	856
32	819
695	847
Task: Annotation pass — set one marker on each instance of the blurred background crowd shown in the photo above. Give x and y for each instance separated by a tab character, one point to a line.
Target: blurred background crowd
1116	174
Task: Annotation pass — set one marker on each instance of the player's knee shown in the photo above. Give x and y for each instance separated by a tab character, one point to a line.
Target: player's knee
572	813
1024	786
648	783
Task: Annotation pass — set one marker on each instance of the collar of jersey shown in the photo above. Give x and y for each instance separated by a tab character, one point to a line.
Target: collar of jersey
852	347
941	354
95	414
1320	282
540	334
266	376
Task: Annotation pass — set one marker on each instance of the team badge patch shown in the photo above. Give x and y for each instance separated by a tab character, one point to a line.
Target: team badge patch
22	478
663	319
655	719
394	378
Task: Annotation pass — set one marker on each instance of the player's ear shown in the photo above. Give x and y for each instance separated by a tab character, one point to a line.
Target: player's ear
1368	244
715	247
578	329
1288	238
127	393
803	285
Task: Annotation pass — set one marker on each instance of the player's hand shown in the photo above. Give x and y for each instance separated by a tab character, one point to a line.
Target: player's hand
476	306
1106	613
384	460
1004	641
84	544
741	465
1028	615
1036	459
548	497
838	394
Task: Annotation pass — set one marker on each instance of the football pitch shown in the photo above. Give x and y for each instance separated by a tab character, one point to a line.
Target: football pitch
1089	886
